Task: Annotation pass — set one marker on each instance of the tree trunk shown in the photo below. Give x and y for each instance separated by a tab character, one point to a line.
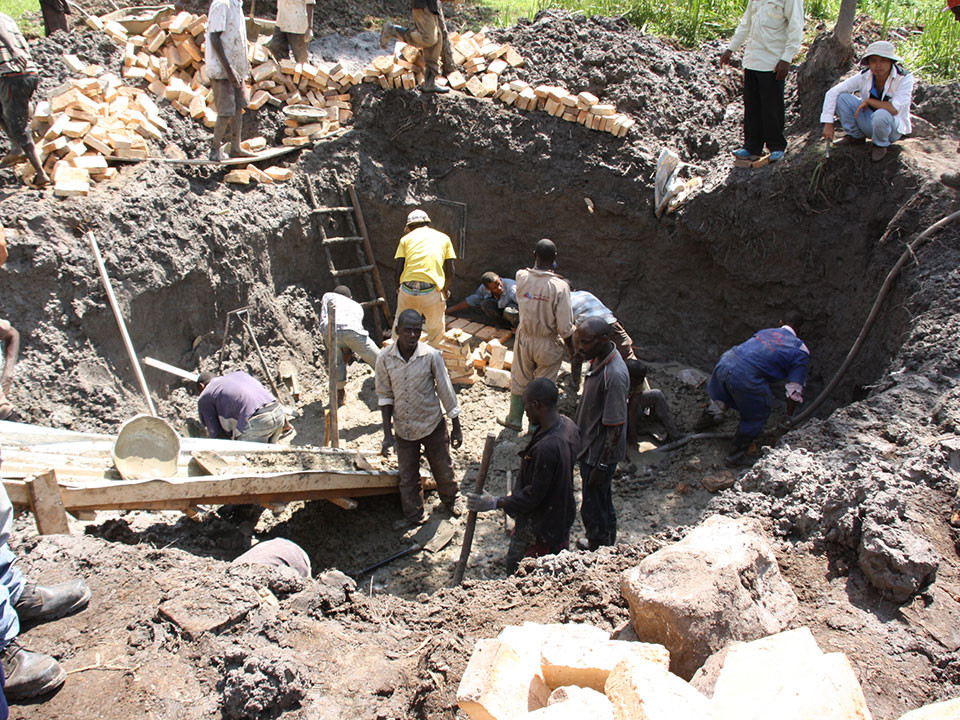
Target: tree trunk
844	27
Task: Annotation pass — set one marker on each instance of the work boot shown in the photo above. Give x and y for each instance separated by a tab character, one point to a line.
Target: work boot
878	153
430	83
39	603
28	673
514	420
738	451
951	179
392	32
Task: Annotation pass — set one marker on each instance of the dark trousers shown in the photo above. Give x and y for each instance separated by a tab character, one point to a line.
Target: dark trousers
510	314
524	543
436	448
597	512
763	114
54	16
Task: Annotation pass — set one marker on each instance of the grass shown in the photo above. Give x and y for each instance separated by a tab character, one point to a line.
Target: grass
930	45
32	24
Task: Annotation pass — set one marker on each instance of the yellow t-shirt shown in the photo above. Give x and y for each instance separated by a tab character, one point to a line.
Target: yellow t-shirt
424	251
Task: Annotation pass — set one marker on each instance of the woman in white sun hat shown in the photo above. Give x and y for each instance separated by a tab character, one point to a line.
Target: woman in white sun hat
873	104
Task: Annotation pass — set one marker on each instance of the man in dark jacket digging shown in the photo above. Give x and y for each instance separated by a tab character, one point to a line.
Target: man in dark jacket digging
542	501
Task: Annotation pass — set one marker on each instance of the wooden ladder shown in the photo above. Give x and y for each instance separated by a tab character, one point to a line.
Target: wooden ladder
355	233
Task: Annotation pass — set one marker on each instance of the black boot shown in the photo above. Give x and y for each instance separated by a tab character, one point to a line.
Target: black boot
430	83
29	674
738	452
39	603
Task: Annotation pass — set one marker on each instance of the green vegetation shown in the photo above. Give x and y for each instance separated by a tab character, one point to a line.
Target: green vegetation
928	39
31	24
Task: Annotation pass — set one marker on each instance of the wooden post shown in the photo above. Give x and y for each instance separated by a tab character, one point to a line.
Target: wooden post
472	516
123	328
332	349
47	505
508	521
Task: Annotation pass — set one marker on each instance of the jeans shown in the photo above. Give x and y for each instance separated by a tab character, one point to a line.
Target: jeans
878	125
12	581
362	346
264	425
597	511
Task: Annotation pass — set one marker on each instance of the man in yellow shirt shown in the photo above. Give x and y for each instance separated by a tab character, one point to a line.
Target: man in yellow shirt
424	262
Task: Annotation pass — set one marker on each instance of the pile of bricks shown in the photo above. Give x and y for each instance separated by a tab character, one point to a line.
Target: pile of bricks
484	61
86	120
466	362
458	357
169	57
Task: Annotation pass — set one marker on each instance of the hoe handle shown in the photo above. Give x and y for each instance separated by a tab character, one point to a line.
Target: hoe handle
472	515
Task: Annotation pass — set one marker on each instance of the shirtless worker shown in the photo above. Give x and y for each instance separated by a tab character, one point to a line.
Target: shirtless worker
546	320
227	68
542	500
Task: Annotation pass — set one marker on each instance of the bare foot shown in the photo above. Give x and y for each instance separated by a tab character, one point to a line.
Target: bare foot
239	152
41	179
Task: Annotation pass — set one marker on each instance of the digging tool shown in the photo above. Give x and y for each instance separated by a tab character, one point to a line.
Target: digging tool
91	238
172	369
826	153
472	515
440	540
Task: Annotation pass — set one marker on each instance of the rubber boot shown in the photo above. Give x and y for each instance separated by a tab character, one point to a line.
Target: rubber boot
951	179
39	603
391	32
29	674
514	420
738	452
430	83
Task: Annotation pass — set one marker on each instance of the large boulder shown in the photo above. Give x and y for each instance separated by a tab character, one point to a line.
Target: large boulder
896	561
720	583
787	677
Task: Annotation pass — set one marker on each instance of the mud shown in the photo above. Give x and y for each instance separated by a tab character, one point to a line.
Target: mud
183	249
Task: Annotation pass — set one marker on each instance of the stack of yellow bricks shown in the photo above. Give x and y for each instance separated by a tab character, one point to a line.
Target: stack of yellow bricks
483	62
458	357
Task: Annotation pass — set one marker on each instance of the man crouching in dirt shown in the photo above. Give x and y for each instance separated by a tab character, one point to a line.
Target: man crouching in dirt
425	35
238	407
742	377
542	501
411	382
29	674
18	83
227	68
642	400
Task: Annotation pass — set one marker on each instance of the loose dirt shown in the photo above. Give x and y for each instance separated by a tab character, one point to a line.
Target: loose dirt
183	249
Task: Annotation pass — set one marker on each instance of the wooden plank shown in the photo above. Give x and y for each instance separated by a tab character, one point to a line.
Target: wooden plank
47	505
264	155
345	503
210	461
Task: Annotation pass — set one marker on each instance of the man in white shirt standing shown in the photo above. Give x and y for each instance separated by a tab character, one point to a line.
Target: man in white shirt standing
772	31
351	334
294	30
227	68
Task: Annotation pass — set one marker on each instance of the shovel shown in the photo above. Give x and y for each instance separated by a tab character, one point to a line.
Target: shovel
440	539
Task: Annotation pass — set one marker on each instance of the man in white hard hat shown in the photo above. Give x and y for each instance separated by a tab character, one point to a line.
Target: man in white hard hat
875	103
424	262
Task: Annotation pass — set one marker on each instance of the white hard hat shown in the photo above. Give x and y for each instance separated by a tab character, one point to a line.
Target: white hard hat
417	216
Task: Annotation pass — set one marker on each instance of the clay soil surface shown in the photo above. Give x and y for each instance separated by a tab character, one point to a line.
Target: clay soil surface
175	631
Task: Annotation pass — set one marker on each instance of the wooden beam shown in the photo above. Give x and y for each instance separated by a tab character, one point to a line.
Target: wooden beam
46	504
345	503
333	350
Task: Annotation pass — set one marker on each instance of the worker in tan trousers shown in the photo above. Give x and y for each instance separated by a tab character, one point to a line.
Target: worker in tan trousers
425	35
546	320
424	264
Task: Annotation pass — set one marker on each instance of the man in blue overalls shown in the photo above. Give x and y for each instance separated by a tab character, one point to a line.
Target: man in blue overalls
741	380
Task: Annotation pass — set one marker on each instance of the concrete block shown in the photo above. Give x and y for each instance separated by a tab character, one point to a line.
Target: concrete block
567	661
574	703
946	710
641	690
503	679
497	378
765	678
